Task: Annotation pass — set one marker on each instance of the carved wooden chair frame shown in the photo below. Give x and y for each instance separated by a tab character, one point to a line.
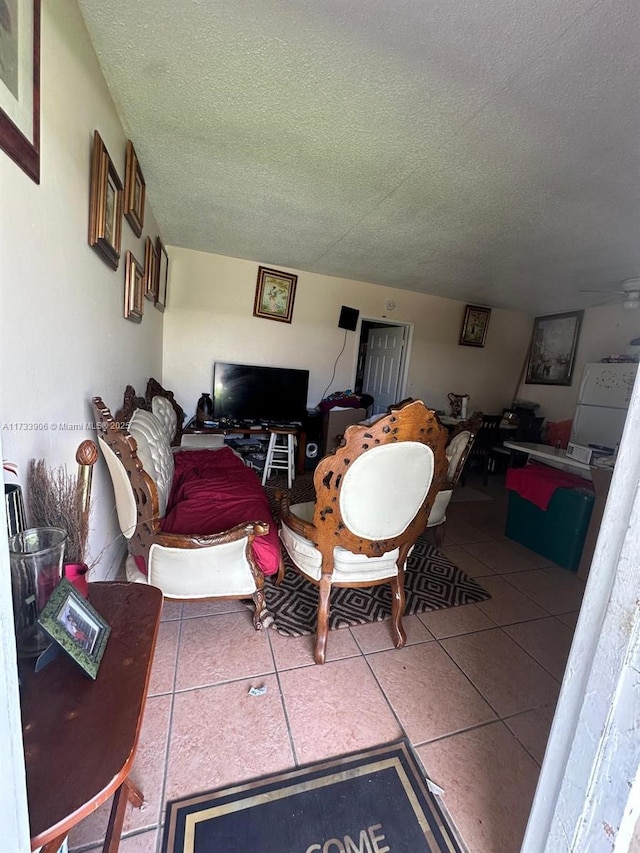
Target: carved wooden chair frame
411	421
148	530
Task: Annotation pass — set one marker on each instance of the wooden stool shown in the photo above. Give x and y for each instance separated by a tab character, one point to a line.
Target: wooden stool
280	454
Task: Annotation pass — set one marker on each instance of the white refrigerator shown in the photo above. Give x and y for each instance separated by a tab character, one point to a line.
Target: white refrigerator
603	400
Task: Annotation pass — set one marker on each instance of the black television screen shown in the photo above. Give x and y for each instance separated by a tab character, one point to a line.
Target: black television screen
245	392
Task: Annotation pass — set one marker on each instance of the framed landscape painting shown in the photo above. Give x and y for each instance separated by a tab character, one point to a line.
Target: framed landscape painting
553	349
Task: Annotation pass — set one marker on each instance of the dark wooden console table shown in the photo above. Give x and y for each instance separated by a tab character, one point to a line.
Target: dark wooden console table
301	437
80	736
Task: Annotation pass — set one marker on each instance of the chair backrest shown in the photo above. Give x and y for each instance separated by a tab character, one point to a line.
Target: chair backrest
153	395
374	494
486	436
135	491
460	446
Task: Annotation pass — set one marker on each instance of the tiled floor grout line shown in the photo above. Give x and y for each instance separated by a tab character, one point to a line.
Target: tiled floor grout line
283	702
163	787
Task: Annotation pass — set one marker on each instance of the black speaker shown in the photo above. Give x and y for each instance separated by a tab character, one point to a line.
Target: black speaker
348	318
312	426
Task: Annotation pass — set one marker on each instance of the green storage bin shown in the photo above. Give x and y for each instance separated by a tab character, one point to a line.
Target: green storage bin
558	532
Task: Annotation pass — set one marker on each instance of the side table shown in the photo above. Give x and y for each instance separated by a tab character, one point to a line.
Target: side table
80	736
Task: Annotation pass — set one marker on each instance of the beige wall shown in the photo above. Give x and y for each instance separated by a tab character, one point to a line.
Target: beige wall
63	336
605	330
210	317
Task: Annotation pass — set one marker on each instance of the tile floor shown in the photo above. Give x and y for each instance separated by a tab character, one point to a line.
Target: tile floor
474	690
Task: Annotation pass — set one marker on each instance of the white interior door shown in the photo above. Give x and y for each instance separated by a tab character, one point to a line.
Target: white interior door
382	366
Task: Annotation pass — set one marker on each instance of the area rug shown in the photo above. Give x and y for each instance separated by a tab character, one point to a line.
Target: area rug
374	800
431	582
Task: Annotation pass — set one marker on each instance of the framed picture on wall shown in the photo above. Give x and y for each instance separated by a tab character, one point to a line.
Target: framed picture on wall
105	205
162	273
275	292
20	84
133	289
150	270
553	349
134	191
474	326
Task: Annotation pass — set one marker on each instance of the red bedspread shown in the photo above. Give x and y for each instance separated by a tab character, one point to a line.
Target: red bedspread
213	490
537	483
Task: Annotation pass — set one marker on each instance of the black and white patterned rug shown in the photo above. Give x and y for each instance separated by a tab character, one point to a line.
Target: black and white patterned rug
431	582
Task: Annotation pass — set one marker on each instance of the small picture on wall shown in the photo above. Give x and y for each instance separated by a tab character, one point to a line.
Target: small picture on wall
162	275
133	289
150	270
134	191
474	326
275	292
105	205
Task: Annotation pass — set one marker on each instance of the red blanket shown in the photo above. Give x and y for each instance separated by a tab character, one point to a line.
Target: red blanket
213	490
537	483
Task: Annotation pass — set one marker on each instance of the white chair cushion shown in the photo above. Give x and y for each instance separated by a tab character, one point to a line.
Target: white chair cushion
346	565
384	488
438	514
454	451
154	452
202	441
166	415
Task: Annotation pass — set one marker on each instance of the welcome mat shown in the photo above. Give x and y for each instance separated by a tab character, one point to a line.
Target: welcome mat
370	801
431	582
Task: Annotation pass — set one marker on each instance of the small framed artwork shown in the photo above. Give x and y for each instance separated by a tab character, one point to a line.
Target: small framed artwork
474	326
105	205
75	626
133	289
135	191
275	292
553	348
20	84
150	270
162	274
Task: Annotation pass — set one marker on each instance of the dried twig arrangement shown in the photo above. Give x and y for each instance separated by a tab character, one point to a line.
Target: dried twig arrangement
55	499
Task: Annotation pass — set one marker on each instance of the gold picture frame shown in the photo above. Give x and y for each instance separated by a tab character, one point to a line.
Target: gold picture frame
474	326
105	205
135	191
275	294
162	275
133	289
150	270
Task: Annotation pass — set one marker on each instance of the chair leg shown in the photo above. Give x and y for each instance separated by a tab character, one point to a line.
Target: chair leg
397	610
322	629
260	609
438	535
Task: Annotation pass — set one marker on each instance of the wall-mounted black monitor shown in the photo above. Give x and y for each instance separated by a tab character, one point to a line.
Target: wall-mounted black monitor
245	392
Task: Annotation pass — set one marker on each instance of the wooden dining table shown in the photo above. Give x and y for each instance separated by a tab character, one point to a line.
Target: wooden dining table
80	736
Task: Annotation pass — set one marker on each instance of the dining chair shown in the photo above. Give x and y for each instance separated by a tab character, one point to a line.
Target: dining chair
373	498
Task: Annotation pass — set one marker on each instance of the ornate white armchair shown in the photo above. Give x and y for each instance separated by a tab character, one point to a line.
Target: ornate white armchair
373	497
457	452
183	566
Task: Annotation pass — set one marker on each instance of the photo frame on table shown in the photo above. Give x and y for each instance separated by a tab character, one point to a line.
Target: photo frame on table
150	270
275	294
75	626
105	205
162	274
553	347
474	326
20	85
135	190
133	289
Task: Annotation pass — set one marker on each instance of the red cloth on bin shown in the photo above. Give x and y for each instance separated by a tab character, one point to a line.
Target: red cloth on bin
537	483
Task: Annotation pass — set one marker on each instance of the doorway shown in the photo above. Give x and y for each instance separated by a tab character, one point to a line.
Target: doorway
382	362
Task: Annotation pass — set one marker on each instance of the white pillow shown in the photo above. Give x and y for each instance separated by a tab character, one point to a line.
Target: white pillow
154	452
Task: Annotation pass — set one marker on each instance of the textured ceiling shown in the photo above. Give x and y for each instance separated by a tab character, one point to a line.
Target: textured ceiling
486	150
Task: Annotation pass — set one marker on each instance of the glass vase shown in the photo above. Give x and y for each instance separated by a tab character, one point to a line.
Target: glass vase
36	558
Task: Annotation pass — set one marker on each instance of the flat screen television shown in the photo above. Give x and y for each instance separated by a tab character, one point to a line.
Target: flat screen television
246	392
